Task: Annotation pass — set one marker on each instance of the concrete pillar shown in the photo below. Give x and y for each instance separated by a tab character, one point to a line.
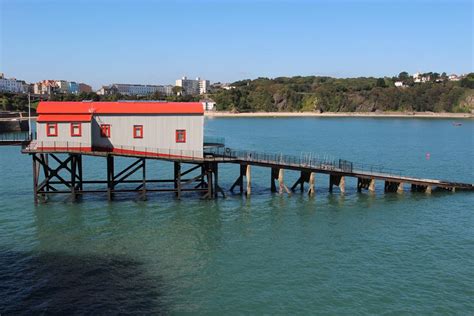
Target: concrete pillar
428	189
312	180
400	187
249	180
342	184
280	180
372	185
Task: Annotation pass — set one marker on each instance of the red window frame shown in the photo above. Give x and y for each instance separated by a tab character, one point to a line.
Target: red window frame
105	130
54	126
79	132
180	132
137	131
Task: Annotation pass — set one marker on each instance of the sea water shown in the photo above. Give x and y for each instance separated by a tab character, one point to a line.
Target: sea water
328	254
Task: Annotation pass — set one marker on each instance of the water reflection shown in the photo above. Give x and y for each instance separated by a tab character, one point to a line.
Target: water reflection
59	283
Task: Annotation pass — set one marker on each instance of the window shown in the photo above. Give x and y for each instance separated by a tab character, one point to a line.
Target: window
76	129
52	129
180	136
105	130
137	131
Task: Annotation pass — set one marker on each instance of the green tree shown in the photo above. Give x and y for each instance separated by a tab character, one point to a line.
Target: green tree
468	81
403	76
381	83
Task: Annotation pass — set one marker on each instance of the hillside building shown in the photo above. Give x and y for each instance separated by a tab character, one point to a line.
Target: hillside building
193	87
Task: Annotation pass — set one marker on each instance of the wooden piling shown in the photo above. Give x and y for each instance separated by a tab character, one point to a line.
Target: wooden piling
143	193
110	177
35	178
273	177
73	169
216	179
177	179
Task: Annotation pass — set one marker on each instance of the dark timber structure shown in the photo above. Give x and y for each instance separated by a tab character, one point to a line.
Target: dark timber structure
202	174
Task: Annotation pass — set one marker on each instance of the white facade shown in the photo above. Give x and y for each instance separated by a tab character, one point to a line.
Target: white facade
453	77
63	86
208	105
135	89
11	85
64	134
158	133
193	87
152	128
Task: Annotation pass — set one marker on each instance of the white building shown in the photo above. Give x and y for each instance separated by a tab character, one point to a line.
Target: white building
163	129
45	87
193	87
399	84
11	85
419	78
453	77
208	105
135	89
62	86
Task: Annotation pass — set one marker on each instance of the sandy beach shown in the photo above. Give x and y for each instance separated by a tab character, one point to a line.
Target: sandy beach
342	114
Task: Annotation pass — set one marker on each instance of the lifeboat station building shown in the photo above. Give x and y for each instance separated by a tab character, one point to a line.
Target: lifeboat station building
164	128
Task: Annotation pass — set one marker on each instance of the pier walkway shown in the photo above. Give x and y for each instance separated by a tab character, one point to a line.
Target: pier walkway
207	161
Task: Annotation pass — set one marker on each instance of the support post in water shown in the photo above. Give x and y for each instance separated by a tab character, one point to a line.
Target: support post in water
143	194
249	181
304	177
273	177
215	169
312	181
240	180
110	177
337	180
400	188
372	186
73	177
35	178
177	179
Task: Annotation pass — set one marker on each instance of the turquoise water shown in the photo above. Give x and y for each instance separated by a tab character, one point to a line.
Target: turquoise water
331	254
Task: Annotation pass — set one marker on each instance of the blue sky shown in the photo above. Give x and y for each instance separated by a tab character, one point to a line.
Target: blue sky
156	42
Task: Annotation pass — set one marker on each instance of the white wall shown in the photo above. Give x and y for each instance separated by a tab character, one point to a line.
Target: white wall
64	135
159	132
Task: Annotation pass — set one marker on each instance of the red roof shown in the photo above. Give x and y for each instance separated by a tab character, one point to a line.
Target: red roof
64	118
53	107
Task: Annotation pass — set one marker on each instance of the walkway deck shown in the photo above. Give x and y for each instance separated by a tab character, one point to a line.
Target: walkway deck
337	169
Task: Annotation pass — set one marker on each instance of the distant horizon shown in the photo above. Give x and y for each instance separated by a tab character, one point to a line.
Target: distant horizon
88	41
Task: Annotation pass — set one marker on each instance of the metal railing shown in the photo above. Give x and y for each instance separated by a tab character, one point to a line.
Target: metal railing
138	151
303	161
307	161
